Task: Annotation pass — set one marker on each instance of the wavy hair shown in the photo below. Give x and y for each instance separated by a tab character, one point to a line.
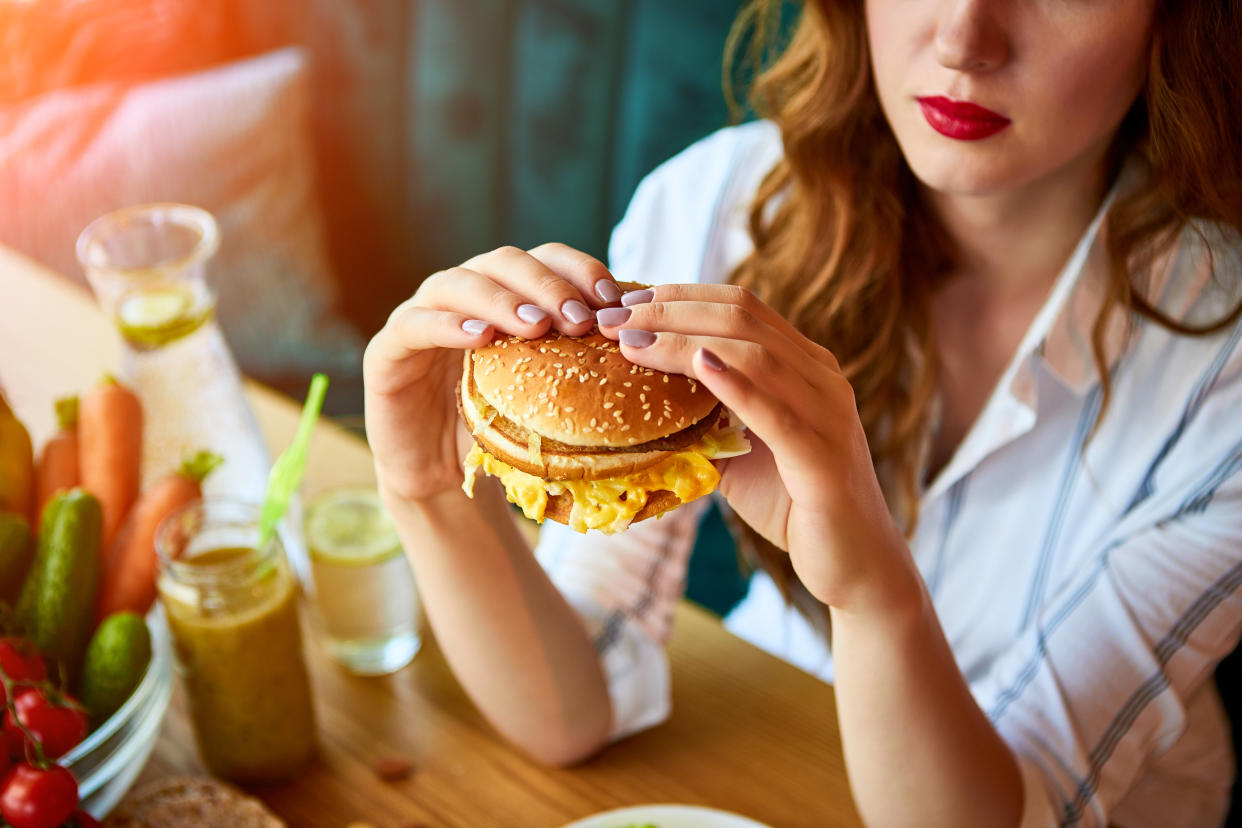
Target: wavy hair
838	225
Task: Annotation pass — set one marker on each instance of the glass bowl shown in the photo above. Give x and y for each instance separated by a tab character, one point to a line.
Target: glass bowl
110	759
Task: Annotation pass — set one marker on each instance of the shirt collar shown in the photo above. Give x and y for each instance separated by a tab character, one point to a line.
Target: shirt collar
1059	337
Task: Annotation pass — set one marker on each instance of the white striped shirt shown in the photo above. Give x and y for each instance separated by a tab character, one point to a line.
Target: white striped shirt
1087	587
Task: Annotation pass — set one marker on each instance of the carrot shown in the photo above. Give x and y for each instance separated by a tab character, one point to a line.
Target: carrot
57	470
16	462
110	450
130	569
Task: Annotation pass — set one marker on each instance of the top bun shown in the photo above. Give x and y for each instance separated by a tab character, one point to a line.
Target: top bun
581	391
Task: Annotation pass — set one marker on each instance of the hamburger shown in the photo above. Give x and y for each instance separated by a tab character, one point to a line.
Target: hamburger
579	434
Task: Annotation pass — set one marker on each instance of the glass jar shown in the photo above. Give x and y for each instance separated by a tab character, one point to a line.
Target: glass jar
232	608
147	266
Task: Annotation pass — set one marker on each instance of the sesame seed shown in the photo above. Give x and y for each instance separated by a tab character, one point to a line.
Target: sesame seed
593	422
646	387
620	393
569	408
625	428
647	416
643	397
609	405
604	381
627	384
666	377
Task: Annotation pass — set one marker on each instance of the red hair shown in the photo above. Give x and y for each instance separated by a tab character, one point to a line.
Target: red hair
838	225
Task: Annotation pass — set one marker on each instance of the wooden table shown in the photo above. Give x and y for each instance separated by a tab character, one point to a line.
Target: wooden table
749	733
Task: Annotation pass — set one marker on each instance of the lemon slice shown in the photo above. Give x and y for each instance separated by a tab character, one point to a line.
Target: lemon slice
350	527
151	318
155	309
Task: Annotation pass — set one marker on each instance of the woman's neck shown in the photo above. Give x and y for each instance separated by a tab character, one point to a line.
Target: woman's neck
1017	241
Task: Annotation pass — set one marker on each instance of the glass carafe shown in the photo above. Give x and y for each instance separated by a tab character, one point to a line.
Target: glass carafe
147	266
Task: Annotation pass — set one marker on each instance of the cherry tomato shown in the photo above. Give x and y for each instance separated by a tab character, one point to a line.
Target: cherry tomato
59	725
84	820
31	797
20	661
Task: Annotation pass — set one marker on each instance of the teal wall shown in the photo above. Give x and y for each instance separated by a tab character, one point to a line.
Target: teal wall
534	120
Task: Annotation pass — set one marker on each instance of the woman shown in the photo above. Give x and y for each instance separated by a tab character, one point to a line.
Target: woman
985	341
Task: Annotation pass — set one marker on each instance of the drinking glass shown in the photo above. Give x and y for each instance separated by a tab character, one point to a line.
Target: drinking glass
365	593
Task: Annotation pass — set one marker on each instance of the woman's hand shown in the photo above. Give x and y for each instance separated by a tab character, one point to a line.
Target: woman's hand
809	485
412	365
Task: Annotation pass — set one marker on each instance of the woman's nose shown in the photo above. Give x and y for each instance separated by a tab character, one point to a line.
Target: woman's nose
972	36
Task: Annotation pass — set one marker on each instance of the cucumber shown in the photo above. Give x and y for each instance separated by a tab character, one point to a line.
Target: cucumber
57	603
116	660
14	554
30	587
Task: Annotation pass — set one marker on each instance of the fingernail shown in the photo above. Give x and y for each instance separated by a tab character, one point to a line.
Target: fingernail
611	317
637	297
474	327
575	311
607	290
531	314
636	339
711	360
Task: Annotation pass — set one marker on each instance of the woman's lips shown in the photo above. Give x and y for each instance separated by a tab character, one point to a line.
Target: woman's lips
961	119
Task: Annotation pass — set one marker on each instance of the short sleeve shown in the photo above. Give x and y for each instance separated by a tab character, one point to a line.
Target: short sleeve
687	219
626	588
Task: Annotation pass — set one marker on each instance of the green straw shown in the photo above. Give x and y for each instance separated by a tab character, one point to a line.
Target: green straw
286	474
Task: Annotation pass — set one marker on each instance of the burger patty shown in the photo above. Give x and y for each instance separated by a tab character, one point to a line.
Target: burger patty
673	442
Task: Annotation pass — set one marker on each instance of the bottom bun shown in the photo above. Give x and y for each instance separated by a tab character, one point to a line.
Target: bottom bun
658	502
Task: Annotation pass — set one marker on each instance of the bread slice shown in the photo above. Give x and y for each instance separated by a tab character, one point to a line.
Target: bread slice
191	802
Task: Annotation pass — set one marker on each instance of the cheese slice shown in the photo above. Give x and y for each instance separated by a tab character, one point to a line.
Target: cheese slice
610	504
599	504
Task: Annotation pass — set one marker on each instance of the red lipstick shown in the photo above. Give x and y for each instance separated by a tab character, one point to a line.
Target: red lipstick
961	119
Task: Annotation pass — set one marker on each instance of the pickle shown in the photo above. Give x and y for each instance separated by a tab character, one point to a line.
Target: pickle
14	554
116	660
57	603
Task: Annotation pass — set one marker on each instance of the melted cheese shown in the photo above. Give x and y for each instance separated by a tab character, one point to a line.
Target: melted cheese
608	504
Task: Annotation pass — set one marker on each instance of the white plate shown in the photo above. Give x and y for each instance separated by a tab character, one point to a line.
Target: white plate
667	816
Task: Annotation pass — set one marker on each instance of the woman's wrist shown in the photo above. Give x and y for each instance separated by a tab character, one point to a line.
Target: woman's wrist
885	583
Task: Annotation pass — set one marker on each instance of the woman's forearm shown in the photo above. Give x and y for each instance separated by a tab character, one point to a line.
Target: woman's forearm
918	749
518	648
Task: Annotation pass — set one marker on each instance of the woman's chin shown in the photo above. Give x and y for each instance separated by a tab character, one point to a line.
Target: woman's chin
971	170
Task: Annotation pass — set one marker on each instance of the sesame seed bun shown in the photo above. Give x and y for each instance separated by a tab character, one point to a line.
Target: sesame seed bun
581	392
